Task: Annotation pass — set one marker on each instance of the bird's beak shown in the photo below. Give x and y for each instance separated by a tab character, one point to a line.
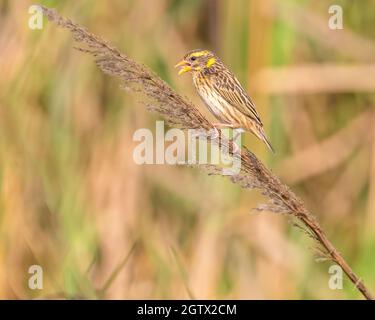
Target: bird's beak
185	66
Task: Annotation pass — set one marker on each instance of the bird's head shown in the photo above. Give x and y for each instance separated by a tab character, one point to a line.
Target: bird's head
196	61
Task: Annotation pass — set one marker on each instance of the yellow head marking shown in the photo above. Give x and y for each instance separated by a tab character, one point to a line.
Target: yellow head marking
199	53
210	62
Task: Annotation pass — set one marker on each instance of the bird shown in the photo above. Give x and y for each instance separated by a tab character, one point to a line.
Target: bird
222	93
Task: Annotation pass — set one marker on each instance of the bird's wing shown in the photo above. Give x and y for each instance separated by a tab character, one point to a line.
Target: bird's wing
231	90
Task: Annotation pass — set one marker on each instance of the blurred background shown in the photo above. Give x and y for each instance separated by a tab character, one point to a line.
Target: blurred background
73	201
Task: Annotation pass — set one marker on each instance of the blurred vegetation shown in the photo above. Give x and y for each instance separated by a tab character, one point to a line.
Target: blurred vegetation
73	201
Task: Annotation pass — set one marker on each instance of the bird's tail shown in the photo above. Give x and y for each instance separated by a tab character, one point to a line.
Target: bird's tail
262	136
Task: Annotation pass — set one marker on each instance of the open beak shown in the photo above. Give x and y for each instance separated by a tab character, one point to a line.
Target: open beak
185	66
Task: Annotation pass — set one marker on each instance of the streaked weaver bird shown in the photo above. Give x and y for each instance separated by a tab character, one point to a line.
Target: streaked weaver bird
222	93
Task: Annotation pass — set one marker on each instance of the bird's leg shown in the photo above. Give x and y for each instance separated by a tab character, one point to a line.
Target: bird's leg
218	126
231	126
212	134
217	129
235	147
216	133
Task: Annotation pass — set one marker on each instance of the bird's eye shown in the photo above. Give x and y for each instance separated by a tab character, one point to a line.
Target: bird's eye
193	58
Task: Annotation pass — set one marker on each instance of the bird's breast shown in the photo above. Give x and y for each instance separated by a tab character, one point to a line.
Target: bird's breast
214	102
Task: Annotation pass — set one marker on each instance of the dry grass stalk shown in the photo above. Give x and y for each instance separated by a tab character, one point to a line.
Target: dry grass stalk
184	114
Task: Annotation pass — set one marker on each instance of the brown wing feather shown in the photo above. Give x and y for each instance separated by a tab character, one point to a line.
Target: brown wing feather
231	90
